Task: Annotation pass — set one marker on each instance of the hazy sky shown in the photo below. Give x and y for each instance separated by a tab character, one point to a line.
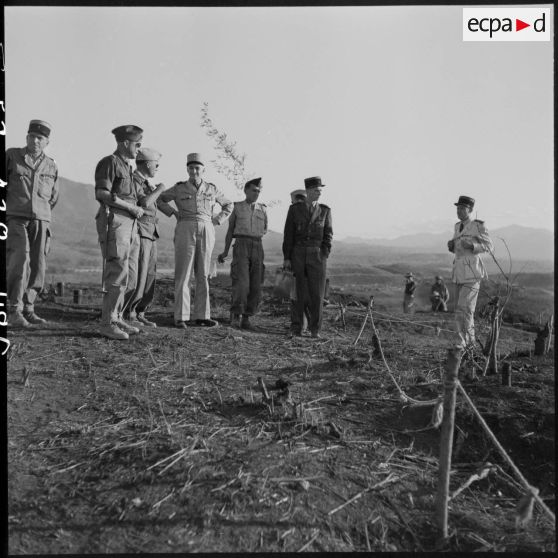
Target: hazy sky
388	105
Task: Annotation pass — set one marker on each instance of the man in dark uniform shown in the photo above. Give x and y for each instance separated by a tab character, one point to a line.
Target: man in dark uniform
116	225
439	295
306	247
142	272
31	193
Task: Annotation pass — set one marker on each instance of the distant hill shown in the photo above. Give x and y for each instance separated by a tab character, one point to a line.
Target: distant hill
75	243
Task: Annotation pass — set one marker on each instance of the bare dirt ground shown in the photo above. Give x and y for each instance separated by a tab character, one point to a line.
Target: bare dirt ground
163	443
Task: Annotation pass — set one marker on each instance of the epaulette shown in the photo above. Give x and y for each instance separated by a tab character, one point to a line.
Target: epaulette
324	205
479	221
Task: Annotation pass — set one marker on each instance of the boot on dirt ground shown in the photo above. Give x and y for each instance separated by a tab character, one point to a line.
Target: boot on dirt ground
112	331
125	327
132	321
245	322
16	319
32	318
142	319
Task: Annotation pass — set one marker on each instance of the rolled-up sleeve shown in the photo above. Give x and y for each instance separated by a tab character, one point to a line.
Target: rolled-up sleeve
226	207
104	175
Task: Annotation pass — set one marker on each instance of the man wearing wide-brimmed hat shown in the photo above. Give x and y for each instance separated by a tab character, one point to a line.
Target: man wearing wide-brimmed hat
31	193
306	246
439	295
116	192
194	239
470	239
247	225
409	294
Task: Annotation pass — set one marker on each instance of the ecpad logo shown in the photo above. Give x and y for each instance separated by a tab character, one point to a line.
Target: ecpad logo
506	24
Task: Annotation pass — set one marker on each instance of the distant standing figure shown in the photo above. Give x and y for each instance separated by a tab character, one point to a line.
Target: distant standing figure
439	295
194	239
409	296
247	225
306	246
31	193
470	239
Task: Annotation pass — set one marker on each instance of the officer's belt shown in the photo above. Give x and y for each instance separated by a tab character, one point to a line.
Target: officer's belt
149	219
195	219
247	236
307	243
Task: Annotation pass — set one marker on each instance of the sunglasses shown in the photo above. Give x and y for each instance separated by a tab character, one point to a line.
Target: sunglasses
137	143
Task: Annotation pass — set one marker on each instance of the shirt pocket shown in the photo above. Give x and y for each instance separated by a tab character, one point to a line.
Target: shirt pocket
186	202
45	185
207	201
122	184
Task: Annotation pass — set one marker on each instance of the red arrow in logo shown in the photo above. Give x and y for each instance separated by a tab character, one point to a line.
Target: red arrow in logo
519	25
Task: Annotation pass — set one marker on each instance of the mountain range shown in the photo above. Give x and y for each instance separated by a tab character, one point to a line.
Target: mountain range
75	243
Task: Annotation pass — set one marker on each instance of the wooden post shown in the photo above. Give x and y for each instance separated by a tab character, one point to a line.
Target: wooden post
446	441
506	374
549	340
491	364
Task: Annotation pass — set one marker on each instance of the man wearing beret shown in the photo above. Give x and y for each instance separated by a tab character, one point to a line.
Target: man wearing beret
247	225
31	193
194	239
470	239
143	270
116	191
306	247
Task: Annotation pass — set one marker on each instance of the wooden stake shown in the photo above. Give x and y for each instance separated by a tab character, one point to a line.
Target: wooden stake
550	327
365	320
446	441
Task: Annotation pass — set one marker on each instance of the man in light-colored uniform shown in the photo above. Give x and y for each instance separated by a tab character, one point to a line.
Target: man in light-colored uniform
116	191
31	193
194	239
247	225
470	239
143	270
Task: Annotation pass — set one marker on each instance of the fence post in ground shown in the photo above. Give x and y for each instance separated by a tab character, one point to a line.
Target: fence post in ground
491	365
446	441
550	327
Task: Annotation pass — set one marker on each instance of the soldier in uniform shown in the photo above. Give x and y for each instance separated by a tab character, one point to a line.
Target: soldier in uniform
194	238
409	295
116	192
306	247
142	272
31	193
247	225
439	295
470	239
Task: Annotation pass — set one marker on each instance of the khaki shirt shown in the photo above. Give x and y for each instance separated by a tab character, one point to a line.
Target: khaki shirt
249	219
32	190
196	204
147	223
467	265
115	175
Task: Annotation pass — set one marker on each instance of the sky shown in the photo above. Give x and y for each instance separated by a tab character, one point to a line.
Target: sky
388	105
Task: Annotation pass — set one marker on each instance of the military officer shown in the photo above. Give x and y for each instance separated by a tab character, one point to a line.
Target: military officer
409	294
306	246
247	225
116	192
31	193
142	272
439	295
194	239
470	239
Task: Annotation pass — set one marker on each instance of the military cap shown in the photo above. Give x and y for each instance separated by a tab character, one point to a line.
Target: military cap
296	193
256	181
194	158
408	274
313	182
147	154
127	132
438	277
465	200
39	127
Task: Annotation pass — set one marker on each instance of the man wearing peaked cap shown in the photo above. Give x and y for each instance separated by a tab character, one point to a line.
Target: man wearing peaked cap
247	225
194	239
31	194
470	239
143	260
117	194
306	246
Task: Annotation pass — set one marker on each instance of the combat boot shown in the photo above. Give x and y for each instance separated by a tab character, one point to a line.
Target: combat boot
126	327
112	331
16	319
132	321
142	319
32	318
245	322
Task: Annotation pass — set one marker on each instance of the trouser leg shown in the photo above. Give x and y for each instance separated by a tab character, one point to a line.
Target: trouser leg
255	279
204	247
298	263
39	245
240	276
467	294
132	291
184	256
316	275
150	262
17	261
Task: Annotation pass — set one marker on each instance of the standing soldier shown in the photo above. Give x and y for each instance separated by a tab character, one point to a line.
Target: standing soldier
116	226
142	272
439	295
409	295
194	238
247	224
31	193
306	247
469	240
